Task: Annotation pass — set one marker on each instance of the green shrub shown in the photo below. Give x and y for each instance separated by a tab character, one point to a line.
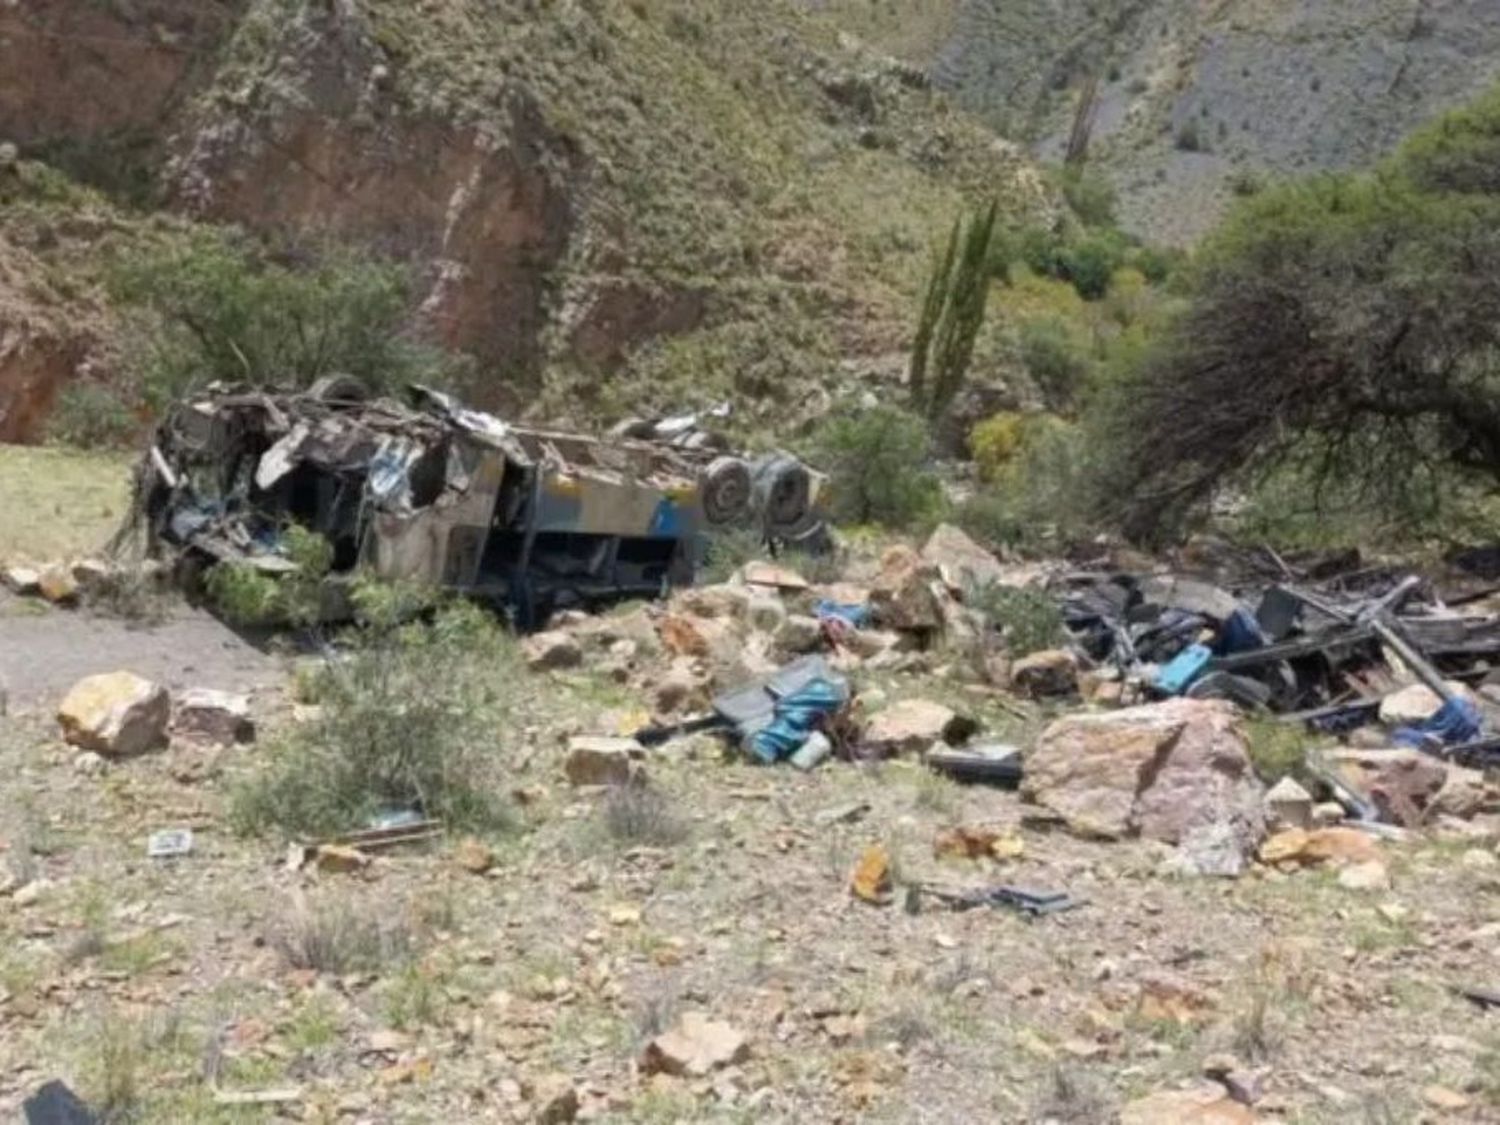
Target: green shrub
1091	196
247	596
414	716
1048	496
1029	620
877	462
218	309
1056	358
92	416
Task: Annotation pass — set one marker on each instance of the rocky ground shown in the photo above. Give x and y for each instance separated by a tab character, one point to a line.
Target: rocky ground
694	948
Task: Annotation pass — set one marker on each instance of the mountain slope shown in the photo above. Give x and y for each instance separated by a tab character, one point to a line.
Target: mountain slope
607	203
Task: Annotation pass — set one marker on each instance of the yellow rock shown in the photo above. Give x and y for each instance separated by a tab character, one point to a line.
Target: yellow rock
117	714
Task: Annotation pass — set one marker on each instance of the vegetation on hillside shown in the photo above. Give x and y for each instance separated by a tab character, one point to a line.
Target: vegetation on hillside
1342	330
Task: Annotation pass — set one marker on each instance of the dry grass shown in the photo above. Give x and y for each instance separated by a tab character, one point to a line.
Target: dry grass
59	503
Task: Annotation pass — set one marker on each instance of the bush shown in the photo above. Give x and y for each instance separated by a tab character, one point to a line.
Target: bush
1029	620
877	466
995	442
1056	359
247	596
410	719
1092	197
1048	496
92	416
219	309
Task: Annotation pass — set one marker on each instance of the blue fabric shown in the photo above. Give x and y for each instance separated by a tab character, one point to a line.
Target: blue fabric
1455	721
856	614
797	716
1241	633
1183	669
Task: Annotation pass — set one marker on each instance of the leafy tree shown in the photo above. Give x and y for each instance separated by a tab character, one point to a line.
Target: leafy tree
1348	324
952	314
217	309
876	461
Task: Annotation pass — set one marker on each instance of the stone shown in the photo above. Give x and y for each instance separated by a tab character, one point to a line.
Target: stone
871	880
1214	849
696	1046
19	579
764	613
1464	794
867	644
1161	771
217	717
763	573
962	563
911	725
679	688
474	855
1416	702
798	634
713	601
1326	814
1402	783
905	594
340	859
552	651
598	760
1371	875
1046	673
1203	1105
91	574
556	1100
57	584
1288	805
1445	1098
116	714
1322	845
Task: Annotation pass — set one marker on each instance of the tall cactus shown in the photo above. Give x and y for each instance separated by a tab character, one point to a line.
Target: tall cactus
952	314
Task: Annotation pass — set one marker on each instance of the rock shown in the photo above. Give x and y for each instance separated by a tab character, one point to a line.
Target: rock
696	1046
1288	805
551	651
679	688
19	579
57	584
116	714
218	717
1166	997
556	1100
1326	814
1323	845
1480	861
474	855
340	859
905	595
713	601
961	563
1213	849
91	574
1049	672
870	643
912	725
871	881
1464	793
762	573
1161	771
1416	702
798	634
1204	1105
1446	1099
1402	784
596	760
764	613
1371	875
686	634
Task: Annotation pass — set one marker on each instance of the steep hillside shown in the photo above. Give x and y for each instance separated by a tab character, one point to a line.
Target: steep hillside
1198	99
607	203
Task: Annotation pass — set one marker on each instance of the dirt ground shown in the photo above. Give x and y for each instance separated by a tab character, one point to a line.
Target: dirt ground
170	987
172	978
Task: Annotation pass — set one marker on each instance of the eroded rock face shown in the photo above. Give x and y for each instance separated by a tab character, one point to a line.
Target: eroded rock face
1163	771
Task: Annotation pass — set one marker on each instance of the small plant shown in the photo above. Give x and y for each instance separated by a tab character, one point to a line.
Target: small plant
338	935
1027	619
247	596
640	814
1071	1096
877	464
1056	359
1189	136
92	416
1277	750
410	719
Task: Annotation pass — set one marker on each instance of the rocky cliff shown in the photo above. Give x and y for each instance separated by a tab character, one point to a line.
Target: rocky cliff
1196	100
606	203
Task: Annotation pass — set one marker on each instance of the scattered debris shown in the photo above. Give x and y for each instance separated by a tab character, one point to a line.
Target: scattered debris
117	714
696	1046
170	843
283	1096
1288	805
23	580
991	763
55	1104
1033	904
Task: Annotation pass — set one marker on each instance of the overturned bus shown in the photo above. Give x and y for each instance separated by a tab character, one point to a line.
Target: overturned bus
428	490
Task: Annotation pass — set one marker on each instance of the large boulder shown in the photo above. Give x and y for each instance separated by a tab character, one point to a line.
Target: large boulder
1169	771
908	593
962	563
116	714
